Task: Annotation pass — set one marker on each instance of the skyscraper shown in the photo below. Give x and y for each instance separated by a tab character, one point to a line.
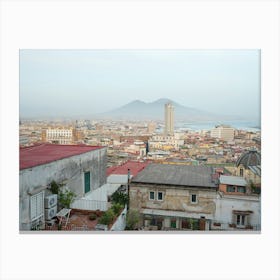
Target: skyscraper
169	119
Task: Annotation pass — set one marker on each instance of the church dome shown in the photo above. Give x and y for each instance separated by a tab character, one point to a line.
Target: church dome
249	158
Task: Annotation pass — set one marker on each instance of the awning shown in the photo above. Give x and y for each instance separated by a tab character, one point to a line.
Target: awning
170	213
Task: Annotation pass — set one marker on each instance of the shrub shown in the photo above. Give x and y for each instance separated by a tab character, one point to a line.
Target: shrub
107	217
119	197
132	219
117	207
55	187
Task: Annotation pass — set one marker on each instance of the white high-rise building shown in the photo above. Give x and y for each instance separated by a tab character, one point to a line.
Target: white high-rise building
169	119
224	132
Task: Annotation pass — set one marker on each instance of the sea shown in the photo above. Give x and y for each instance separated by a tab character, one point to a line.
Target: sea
198	126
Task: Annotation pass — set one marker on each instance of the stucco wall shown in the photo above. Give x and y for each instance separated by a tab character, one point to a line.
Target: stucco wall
226	204
68	170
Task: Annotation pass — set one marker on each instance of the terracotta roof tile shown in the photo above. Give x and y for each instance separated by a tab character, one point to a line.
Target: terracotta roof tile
134	166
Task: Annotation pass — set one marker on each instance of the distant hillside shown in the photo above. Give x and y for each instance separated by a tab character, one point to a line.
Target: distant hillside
139	110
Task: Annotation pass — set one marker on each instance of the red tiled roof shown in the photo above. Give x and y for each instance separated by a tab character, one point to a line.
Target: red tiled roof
45	153
134	166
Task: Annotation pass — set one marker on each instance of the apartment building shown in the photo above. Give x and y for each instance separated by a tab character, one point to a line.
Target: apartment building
62	136
223	132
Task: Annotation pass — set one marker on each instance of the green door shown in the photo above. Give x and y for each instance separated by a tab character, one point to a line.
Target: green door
87	181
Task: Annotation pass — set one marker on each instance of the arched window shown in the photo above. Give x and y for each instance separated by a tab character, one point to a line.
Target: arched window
241	172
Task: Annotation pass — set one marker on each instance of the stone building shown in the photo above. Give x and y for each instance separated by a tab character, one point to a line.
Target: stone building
78	168
170	197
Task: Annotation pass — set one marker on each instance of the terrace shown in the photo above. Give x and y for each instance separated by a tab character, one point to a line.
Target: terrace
85	220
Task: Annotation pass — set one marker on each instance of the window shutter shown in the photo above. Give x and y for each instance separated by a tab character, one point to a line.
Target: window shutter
33	200
36	206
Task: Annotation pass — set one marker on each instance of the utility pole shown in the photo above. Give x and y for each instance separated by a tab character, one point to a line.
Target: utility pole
128	179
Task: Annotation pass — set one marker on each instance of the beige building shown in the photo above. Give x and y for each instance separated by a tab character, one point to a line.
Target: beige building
174	197
223	132
249	167
62	136
169	119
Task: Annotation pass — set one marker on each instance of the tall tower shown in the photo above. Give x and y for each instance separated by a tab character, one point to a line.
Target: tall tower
169	119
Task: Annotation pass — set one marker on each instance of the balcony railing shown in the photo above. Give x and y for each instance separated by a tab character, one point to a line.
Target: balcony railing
87	204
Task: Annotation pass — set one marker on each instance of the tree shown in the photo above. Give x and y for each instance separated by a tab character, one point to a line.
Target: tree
119	198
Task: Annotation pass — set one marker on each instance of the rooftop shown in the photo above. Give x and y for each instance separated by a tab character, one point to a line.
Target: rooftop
46	153
180	175
134	166
232	180
249	158
256	169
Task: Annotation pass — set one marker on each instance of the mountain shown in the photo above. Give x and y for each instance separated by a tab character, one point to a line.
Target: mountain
139	110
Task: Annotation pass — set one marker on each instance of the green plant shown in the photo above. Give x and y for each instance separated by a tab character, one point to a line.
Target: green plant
132	219
55	187
117	207
107	218
119	197
65	197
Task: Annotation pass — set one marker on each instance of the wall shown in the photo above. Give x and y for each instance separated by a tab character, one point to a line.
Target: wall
212	205
227	203
174	198
68	170
120	223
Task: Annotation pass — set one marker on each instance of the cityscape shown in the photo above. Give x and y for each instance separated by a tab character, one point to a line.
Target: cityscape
139	166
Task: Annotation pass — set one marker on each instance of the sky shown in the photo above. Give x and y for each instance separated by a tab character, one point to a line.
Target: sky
84	82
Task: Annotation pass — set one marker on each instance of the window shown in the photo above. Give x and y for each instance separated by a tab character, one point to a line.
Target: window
160	196
230	188
241	172
152	195
36	206
240	220
87	181
241	189
193	198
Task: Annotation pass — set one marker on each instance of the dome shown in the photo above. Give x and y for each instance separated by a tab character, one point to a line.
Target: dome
249	158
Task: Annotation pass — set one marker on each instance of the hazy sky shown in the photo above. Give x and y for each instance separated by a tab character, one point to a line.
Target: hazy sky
77	82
